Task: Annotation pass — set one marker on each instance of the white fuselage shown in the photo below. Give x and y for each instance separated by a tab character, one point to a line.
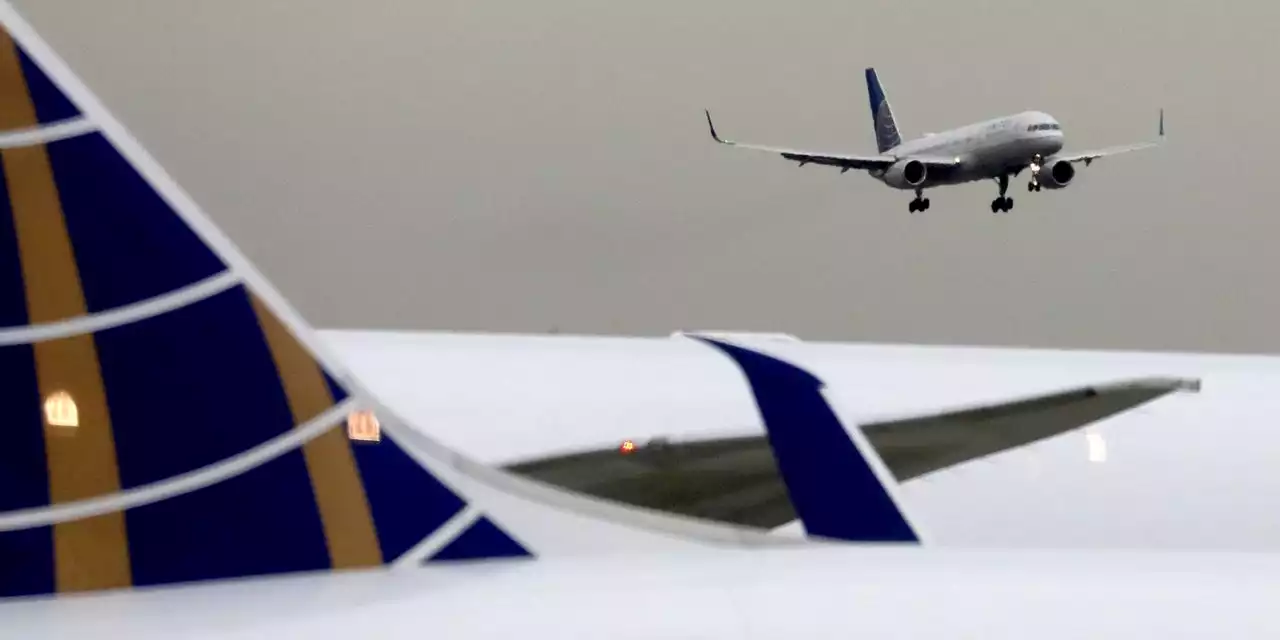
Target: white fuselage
990	148
1189	466
1187	471
813	592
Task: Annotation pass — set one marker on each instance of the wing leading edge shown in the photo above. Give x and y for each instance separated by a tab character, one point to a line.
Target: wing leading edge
845	162
1087	157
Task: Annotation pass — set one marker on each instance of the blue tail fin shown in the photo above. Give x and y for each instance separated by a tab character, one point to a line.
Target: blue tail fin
832	480
167	421
886	128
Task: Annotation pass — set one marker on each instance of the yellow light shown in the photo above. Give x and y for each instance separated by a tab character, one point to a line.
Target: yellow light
627	447
364	426
60	410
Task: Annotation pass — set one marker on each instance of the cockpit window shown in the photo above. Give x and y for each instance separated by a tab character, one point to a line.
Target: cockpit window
1047	126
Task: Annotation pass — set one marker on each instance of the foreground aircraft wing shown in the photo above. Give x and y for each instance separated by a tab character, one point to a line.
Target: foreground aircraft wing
736	479
842	160
1088	157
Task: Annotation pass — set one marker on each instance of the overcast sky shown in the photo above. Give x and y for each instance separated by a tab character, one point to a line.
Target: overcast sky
520	166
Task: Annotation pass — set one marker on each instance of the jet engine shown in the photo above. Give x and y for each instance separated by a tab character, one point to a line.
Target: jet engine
906	174
1056	174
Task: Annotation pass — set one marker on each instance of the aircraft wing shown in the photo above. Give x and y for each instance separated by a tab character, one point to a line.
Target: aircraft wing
842	160
736	480
1088	157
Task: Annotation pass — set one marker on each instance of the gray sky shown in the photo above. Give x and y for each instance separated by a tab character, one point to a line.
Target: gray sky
518	166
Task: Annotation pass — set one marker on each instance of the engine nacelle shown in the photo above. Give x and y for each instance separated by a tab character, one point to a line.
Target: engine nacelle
1056	174
906	174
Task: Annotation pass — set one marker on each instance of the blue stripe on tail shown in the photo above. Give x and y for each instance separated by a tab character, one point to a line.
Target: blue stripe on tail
13	303
832	485
122	261
50	102
483	539
205	365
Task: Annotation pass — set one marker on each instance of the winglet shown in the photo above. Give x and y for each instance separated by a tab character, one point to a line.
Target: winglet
711	125
1162	123
837	484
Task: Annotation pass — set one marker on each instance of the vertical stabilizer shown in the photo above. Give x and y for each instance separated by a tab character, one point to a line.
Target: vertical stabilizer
887	136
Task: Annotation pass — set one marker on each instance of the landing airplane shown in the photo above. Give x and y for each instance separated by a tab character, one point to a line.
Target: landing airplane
992	149
185	458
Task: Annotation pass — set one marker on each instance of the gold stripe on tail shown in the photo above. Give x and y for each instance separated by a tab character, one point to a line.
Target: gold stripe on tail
344	508
91	553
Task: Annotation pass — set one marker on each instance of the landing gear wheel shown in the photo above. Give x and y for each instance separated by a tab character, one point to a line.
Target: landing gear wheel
1033	186
1002	203
919	204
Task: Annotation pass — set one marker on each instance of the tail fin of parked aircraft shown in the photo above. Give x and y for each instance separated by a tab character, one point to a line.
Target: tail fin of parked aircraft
887	136
171	419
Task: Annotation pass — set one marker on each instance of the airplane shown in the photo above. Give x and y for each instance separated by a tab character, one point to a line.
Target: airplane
184	457
993	149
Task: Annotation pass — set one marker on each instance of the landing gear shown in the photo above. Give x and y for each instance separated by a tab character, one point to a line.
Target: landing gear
919	204
1002	203
1037	162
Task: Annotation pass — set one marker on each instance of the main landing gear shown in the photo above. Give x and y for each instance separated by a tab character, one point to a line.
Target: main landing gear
919	204
1036	165
1002	203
